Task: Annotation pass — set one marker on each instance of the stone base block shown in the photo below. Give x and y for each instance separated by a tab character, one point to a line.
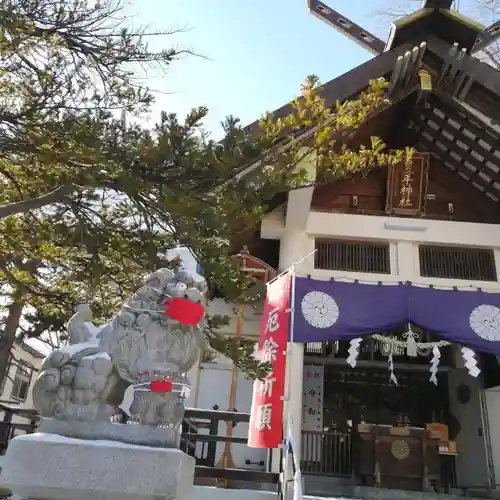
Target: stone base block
51	467
144	435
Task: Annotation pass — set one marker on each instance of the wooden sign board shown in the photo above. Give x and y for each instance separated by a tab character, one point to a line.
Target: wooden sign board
417	187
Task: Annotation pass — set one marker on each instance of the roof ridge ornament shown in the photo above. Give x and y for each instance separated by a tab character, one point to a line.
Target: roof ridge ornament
435	16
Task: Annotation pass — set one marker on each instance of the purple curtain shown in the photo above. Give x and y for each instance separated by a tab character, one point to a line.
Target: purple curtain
331	310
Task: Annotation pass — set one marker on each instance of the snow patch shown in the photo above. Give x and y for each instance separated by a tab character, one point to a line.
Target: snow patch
39	345
102	355
73	349
56	438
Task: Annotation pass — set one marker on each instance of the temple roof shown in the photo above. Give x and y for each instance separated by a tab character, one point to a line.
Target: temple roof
454	114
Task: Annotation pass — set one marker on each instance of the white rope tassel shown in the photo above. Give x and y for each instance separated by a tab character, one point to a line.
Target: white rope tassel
470	361
392	376
353	351
436	356
411	342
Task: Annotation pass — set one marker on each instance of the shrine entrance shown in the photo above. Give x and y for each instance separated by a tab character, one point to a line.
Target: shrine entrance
359	425
401	407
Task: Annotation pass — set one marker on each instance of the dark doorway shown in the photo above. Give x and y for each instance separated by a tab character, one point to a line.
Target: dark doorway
355	395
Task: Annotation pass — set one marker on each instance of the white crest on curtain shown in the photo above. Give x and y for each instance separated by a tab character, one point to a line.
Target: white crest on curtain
319	309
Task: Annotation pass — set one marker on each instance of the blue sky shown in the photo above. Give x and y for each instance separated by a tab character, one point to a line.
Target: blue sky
259	52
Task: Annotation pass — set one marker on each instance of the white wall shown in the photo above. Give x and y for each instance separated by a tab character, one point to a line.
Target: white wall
403	235
471	463
492	397
214	388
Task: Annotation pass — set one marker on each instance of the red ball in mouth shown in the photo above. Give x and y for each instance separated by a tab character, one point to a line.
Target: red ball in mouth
184	311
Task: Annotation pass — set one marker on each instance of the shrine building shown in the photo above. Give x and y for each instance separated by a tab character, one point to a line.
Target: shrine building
395	338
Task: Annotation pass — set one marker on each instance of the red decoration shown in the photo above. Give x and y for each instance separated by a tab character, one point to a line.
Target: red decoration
161	386
266	421
184	311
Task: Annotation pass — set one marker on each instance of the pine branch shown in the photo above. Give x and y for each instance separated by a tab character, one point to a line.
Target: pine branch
27	205
25	287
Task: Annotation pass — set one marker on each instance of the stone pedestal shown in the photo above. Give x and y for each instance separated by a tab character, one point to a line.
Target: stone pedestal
144	435
51	467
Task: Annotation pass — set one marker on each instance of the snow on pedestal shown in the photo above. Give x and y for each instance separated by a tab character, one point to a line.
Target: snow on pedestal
52	467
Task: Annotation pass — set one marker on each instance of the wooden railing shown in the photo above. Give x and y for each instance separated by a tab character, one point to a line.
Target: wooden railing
15	421
200	433
326	453
200	439
332	454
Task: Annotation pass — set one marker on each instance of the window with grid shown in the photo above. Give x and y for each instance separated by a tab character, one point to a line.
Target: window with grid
2	385
364	257
22	381
457	263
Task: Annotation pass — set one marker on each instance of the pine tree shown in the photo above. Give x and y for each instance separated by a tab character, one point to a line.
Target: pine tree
88	204
72	216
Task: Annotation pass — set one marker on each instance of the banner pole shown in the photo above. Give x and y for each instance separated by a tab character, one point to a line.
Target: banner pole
286	406
286	396
292	299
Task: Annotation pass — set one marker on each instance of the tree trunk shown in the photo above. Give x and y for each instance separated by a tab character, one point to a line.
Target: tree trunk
9	334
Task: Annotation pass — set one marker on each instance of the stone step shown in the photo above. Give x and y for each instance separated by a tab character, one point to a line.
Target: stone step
387	494
341	488
242	475
309	497
324	479
328	486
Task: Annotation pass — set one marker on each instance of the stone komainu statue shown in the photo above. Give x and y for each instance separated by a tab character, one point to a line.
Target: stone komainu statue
87	379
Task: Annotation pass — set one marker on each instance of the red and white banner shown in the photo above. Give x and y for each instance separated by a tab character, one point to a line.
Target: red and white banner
266	421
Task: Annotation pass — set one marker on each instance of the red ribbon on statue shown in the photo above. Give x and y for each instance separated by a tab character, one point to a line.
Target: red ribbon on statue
266	421
161	386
